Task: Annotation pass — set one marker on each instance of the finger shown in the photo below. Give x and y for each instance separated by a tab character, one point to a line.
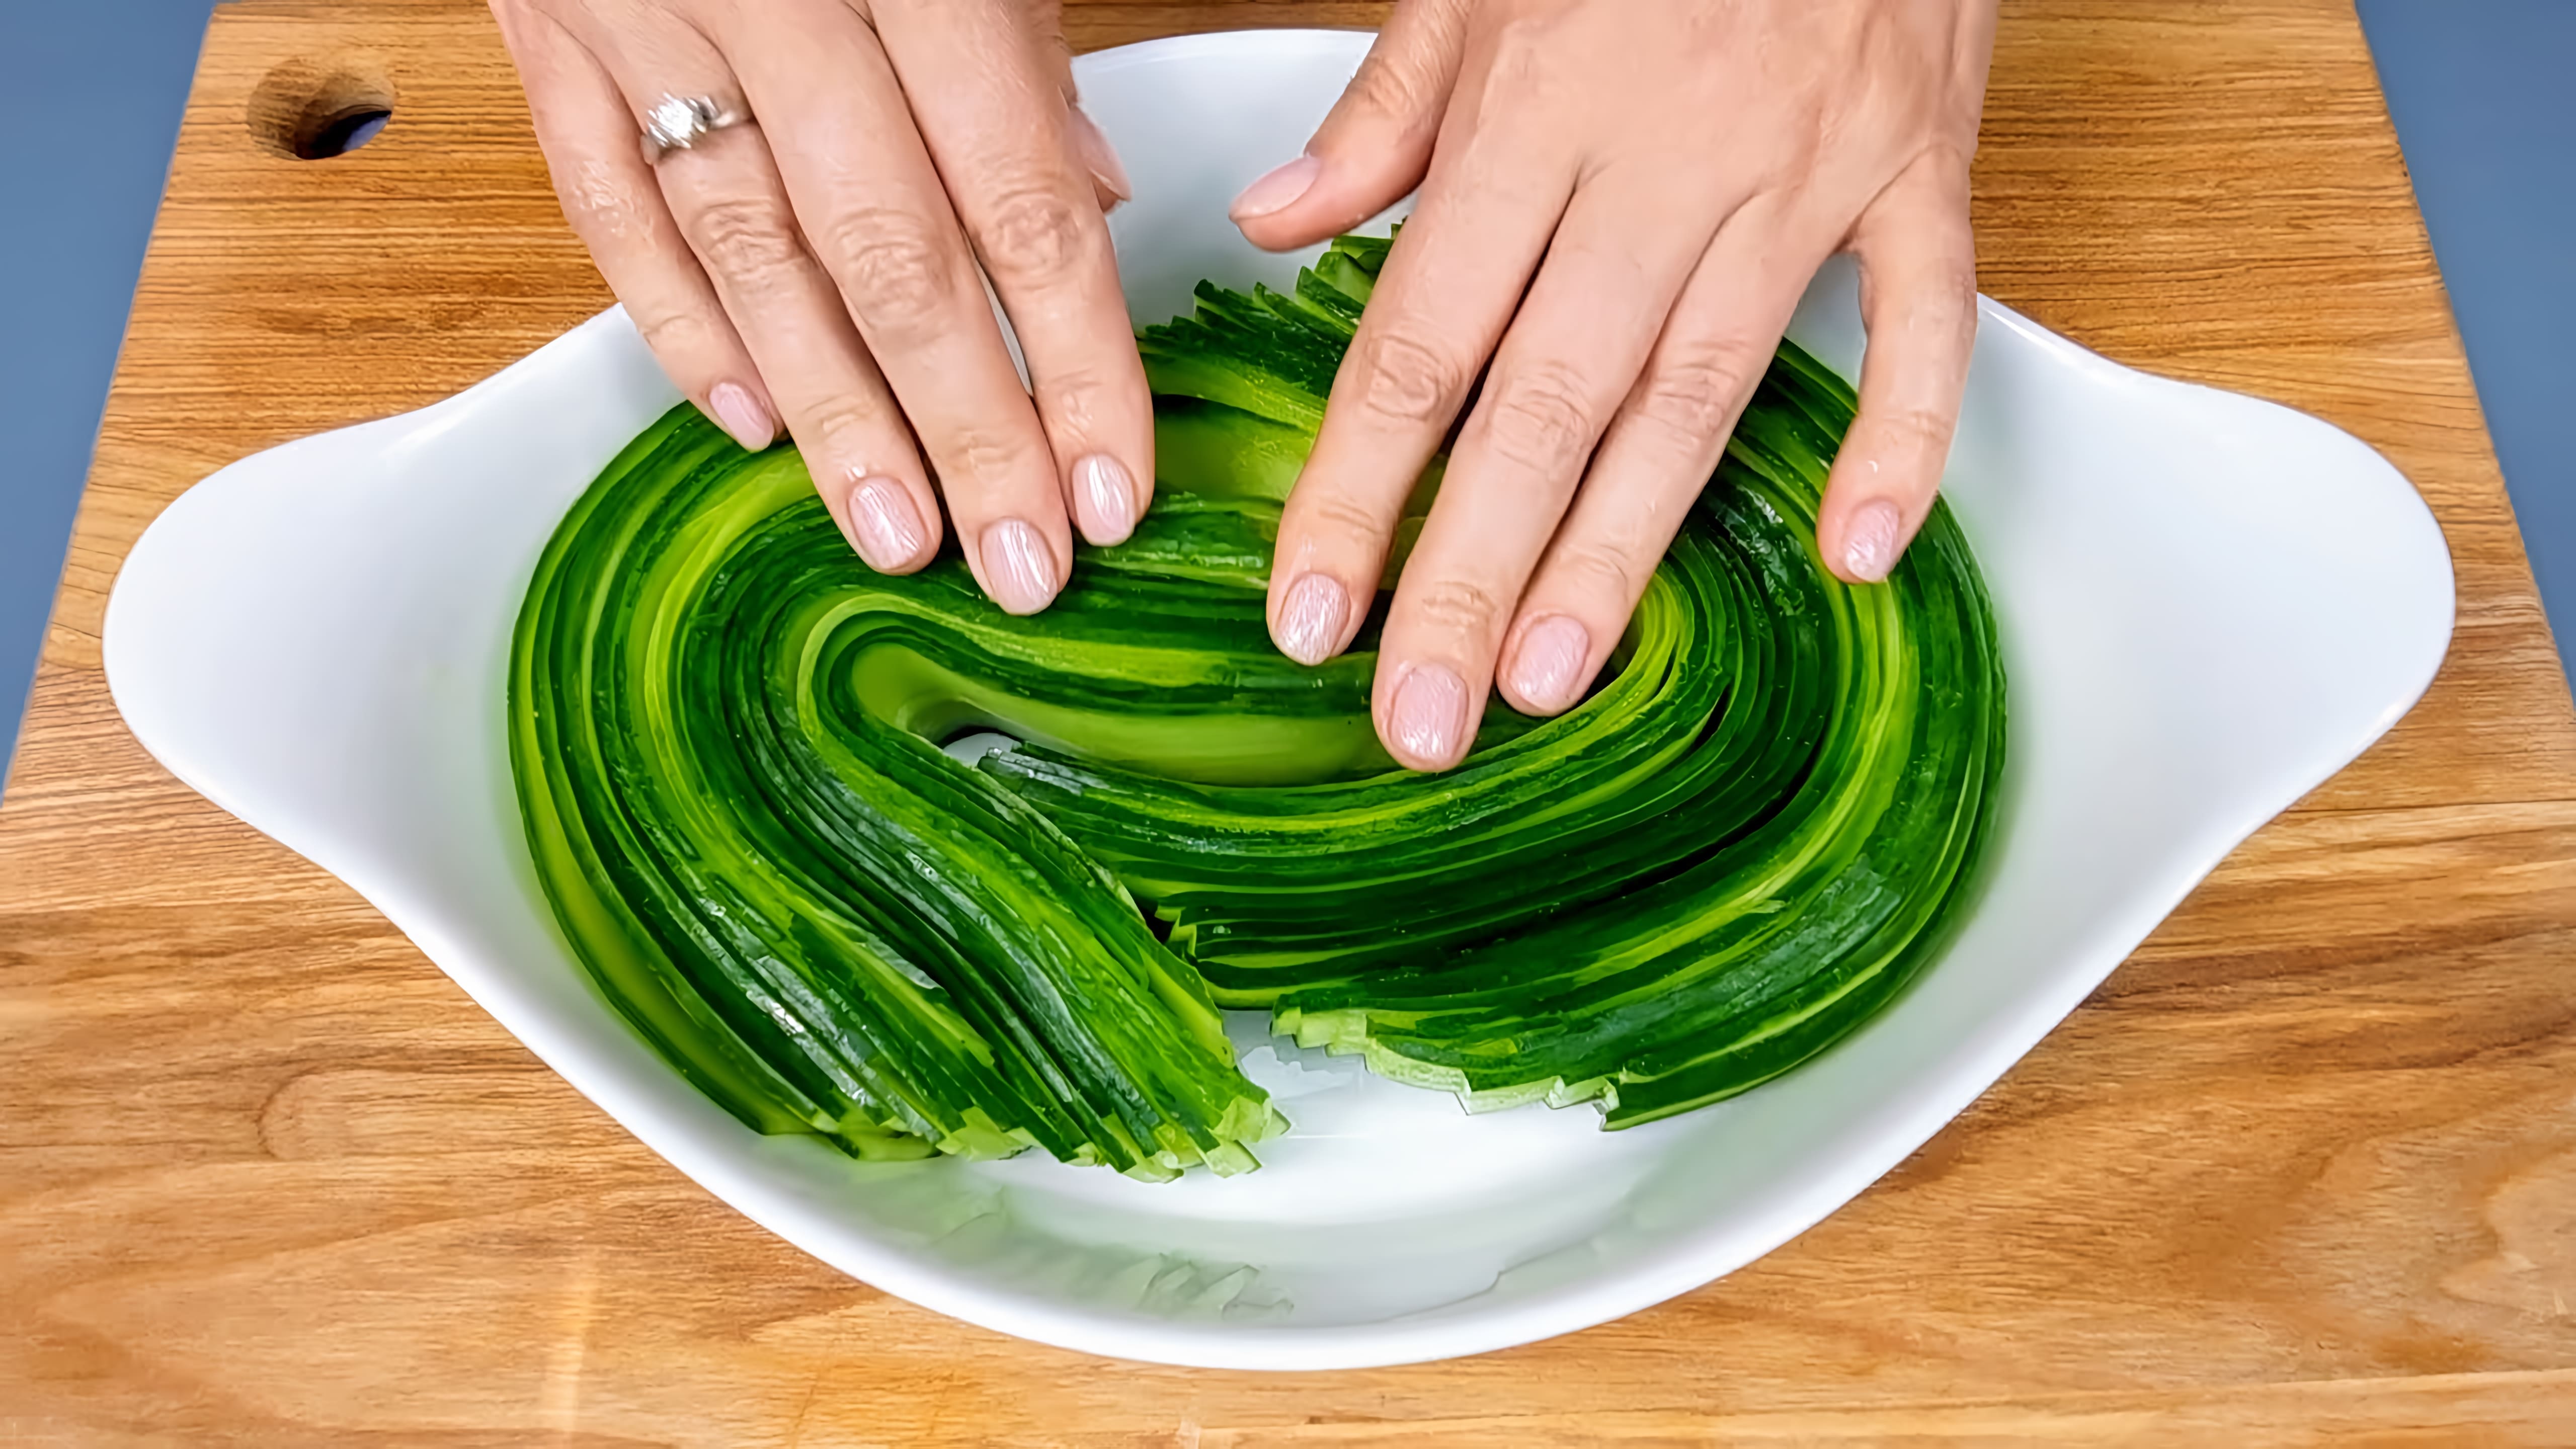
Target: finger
1109	182
1000	132
1440	305
726	195
616	208
871	203
1655	458
1918	267
1618	261
1375	144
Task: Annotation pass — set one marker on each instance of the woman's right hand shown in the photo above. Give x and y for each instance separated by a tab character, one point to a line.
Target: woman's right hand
817	266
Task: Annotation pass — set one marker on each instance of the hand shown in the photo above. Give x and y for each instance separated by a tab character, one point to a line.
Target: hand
817	266
1621	203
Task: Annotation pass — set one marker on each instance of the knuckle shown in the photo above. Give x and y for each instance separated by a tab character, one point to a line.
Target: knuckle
1032	235
1083	403
840	426
681	333
1460	608
1914	432
984	459
1540	424
1690	396
1598	570
1936	294
603	205
896	270
747	241
1342	516
1954	305
1080	401
1408	382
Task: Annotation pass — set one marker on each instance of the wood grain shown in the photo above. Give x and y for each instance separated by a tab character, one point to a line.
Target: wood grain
2303	1172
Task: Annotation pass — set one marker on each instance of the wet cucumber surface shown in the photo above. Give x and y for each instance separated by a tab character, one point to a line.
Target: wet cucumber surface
725	730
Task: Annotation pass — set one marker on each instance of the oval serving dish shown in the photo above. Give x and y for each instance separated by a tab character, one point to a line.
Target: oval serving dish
2208	605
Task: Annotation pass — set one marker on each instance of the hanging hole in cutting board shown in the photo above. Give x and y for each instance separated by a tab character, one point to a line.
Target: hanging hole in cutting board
312	112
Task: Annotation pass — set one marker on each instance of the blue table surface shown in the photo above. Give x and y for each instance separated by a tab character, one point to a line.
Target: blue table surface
2479	90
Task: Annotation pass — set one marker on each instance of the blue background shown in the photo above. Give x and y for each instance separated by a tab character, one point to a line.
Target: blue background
2479	90
104	82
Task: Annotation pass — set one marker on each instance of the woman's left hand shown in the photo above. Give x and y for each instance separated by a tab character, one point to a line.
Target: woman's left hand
1621	203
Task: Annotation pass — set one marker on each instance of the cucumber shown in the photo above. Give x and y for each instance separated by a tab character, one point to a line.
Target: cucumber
724	730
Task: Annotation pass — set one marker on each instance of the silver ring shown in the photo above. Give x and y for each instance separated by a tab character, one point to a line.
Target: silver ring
677	123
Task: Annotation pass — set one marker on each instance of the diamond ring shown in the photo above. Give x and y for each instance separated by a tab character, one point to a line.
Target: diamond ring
677	123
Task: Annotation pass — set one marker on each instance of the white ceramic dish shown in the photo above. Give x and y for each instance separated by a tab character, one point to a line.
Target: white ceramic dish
2209	605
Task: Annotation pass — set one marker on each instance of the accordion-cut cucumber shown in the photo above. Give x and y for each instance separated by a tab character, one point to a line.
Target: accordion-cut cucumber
725	733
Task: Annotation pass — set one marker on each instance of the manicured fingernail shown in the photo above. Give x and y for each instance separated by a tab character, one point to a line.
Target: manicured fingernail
1869	541
1311	619
1277	190
741	414
1092	144
1105	497
1548	669
1430	716
886	525
1019	567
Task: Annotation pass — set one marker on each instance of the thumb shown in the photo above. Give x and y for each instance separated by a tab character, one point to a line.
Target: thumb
1375	145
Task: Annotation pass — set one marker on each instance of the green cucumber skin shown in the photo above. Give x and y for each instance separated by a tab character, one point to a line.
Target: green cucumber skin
1743	845
1459	937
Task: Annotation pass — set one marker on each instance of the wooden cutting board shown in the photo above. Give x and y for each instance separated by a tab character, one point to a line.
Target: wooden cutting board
2304	1171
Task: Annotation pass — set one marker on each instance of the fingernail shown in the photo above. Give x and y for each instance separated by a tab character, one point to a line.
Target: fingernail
1548	670
1092	144
1869	541
887	526
1105	497
1311	619
1430	715
1277	190
1019	567
741	414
